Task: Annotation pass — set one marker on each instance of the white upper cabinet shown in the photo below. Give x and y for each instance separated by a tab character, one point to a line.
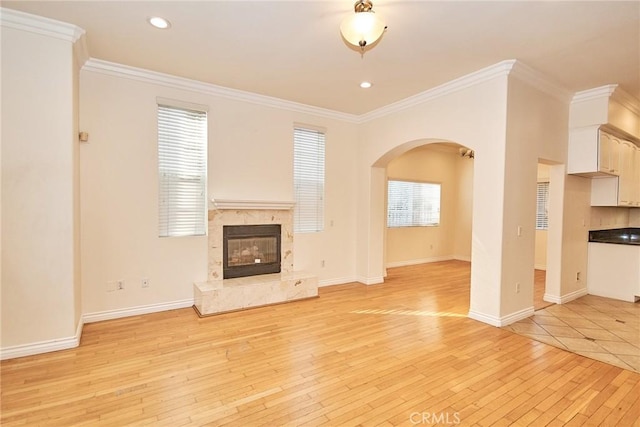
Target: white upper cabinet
623	190
637	176
593	152
608	154
627	193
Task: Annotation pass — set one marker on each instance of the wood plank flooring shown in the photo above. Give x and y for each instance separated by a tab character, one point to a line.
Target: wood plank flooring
539	285
402	353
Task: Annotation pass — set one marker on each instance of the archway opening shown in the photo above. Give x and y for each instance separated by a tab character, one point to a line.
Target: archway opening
428	205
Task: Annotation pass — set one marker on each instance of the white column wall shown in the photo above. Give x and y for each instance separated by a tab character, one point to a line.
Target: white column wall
40	279
537	128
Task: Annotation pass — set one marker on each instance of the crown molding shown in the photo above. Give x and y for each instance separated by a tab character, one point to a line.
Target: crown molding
505	68
614	92
174	82
626	100
39	25
501	69
510	67
539	81
597	92
81	51
61	30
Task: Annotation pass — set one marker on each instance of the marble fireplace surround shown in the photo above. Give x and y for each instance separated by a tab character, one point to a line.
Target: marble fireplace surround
219	295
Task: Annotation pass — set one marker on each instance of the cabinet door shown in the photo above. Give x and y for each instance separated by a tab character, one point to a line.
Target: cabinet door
626	192
608	154
614	156
636	181
604	152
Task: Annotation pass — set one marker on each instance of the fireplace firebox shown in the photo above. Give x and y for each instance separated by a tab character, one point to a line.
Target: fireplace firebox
250	250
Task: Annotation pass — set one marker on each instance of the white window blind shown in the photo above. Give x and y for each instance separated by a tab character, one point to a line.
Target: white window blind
411	204
308	177
542	206
182	164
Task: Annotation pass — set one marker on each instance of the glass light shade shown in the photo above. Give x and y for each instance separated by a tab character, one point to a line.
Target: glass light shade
362	28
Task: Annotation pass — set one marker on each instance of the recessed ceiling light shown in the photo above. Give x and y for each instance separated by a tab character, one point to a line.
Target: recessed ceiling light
365	85
159	22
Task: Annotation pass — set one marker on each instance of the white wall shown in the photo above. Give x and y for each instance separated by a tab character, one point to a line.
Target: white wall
536	129
575	243
413	245
464	209
250	157
40	280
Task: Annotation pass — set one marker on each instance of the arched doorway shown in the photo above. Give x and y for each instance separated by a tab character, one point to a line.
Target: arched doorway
486	302
428	208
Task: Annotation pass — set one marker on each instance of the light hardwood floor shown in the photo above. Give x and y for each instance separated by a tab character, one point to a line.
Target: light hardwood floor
401	353
539	278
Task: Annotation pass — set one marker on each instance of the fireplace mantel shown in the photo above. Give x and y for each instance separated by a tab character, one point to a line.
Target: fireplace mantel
220	204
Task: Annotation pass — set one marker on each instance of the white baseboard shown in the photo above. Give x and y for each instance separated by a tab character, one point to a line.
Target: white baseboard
466	258
43	346
518	315
135	311
419	261
565	298
540	267
370	280
338	281
503	320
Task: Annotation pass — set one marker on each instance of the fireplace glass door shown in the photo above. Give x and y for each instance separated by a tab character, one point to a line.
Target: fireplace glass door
250	250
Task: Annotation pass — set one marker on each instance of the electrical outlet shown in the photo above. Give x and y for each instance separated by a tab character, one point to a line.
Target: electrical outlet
578	276
322	263
519	230
120	285
517	288
111	286
145	282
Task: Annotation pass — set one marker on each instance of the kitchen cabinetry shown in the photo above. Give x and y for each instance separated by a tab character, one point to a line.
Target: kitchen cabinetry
614	271
628	182
617	178
608	153
637	178
593	152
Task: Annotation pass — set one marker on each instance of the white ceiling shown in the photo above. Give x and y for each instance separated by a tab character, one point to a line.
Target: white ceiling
293	50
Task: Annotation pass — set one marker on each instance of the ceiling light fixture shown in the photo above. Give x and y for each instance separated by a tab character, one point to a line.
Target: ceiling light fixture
159	22
364	27
365	85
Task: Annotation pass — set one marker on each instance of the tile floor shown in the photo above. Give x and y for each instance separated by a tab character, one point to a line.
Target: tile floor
599	328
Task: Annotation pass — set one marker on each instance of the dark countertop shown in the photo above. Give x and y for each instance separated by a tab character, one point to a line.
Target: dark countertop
619	236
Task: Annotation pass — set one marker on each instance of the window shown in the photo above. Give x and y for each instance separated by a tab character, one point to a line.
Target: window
412	204
182	167
308	179
542	206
